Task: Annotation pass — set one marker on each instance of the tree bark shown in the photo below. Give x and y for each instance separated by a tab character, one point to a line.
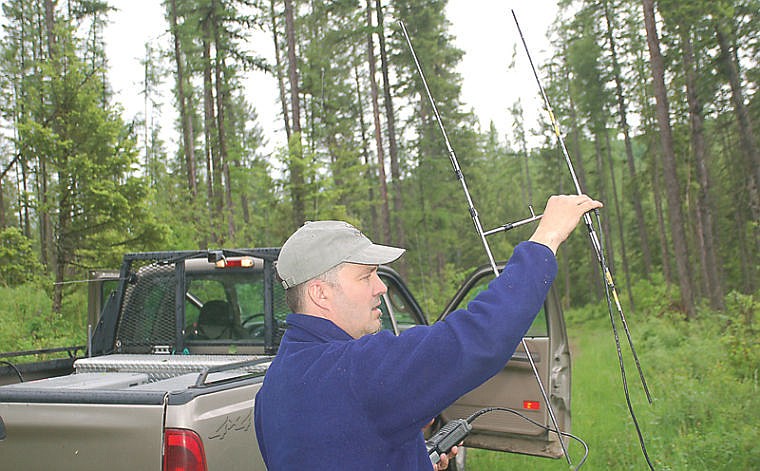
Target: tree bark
619	219
188	139
3	222
384	209
604	195
57	239
704	202
398	235
580	170
746	131
278	71
623	115
365	154
221	99
214	205
672	187
294	143
47	245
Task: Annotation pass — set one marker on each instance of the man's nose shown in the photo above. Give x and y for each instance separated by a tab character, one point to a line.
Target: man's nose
380	287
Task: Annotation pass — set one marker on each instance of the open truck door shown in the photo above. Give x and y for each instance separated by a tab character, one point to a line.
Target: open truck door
515	387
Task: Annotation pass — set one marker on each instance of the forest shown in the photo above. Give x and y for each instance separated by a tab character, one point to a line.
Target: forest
656	103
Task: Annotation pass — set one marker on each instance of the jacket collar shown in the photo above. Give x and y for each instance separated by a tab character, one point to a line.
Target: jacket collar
303	327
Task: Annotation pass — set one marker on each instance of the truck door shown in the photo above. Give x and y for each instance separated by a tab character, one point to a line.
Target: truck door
516	387
400	309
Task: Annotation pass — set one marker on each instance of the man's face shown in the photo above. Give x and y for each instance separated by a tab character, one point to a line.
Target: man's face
356	299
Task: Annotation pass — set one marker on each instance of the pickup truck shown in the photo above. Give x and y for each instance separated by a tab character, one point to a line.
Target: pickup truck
181	348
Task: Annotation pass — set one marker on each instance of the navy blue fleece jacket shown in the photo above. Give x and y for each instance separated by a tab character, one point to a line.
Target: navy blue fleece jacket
331	402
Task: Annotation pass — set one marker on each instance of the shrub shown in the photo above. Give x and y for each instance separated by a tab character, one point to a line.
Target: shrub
741	335
29	323
18	262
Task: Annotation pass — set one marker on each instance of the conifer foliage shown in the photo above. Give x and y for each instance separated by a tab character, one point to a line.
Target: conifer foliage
657	102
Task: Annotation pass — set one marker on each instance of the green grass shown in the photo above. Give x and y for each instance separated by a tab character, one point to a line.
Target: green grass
703	377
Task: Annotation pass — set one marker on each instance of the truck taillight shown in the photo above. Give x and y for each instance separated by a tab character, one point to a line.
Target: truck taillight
183	451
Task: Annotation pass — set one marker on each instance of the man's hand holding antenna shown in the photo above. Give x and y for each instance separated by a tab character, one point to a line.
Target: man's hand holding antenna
562	215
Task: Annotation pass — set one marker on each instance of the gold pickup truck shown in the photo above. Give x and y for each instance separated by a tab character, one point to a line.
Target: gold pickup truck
181	348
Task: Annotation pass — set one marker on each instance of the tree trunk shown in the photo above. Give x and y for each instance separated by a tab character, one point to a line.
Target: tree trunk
221	99
619	219
580	170
20	114
188	139
385	218
294	143
278	69
741	246
3	222
651	150
370	177
604	195
209	134
661	225
61	251
50	26
623	115
7	169
47	244
57	239
746	132
672	187
704	203
398	235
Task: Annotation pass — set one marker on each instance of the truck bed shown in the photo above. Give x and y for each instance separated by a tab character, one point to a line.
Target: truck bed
118	404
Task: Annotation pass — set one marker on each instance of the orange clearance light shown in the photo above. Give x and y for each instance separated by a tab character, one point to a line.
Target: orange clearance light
531	405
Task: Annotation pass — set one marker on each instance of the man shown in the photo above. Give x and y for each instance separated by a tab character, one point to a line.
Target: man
337	397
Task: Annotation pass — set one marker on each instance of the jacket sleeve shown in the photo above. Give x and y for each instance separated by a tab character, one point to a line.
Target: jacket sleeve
405	381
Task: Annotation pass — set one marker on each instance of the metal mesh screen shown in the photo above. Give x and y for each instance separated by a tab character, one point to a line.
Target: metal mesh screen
222	305
280	307
148	308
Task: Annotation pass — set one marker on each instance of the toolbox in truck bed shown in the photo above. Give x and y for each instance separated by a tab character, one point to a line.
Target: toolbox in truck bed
159	367
86	381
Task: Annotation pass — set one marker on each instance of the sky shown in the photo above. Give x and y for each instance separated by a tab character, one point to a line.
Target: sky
483	29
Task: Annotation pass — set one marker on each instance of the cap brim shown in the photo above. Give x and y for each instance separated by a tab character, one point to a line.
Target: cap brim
376	255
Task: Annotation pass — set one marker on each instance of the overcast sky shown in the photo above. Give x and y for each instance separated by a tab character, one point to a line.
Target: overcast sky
484	29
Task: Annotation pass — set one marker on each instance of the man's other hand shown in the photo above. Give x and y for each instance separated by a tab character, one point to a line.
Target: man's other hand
444	463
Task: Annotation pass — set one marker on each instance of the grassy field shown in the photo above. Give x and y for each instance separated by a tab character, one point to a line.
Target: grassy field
706	409
704	377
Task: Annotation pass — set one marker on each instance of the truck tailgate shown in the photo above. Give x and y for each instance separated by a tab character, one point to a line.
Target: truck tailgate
81	437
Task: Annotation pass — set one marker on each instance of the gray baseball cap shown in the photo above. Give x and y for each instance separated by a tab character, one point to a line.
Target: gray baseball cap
321	245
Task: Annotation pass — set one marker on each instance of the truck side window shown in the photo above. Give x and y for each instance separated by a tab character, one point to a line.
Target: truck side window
400	306
539	328
395	303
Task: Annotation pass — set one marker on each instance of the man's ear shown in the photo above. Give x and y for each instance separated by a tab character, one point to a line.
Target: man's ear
318	293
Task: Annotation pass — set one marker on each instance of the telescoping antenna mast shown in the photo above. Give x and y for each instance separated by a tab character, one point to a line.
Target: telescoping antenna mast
479	228
597	244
